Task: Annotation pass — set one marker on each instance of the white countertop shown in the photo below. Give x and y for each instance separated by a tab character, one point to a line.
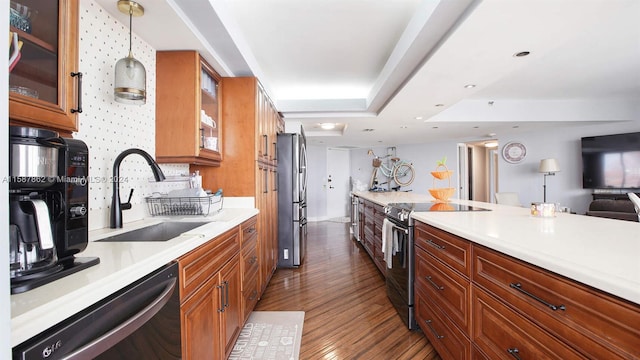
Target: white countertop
599	252
121	263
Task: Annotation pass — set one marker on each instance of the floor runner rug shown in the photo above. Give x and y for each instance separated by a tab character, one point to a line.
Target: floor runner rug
270	335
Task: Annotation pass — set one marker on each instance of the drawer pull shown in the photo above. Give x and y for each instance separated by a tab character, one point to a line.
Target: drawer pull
254	295
253	260
250	230
437	246
518	287
435	333
514	352
436	286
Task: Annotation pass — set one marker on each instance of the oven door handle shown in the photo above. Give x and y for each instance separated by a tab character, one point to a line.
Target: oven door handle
406	231
126	328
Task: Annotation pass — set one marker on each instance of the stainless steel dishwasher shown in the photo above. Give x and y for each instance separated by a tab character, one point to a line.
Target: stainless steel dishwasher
141	321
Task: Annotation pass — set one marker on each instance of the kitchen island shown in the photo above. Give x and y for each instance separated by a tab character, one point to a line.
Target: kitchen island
490	284
121	263
602	253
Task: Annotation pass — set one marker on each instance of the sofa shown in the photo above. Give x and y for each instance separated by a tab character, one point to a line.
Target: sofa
621	209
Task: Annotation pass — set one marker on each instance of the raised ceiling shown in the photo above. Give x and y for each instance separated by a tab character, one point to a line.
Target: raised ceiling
399	68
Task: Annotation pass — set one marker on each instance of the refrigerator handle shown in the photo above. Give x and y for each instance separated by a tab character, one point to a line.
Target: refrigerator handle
303	167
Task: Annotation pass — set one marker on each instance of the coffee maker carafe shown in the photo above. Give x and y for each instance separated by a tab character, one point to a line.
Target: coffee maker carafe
48	202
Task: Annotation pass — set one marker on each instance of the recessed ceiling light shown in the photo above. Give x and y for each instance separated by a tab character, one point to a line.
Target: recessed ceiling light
491	144
368	130
327	126
434	127
403	127
439	105
419	118
521	54
469	86
515	126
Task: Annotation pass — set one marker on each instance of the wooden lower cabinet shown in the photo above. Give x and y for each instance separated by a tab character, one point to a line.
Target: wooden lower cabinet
474	302
250	266
446	338
501	333
210	297
370	228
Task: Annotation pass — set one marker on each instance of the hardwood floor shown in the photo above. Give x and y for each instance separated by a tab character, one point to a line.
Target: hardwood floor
347	313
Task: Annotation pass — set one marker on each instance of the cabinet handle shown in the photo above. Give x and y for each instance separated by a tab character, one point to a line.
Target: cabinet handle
250	230
201	138
253	260
226	294
436	286
275	151
254	295
435	333
266	181
518	287
266	146
433	244
79	81
514	352
221	287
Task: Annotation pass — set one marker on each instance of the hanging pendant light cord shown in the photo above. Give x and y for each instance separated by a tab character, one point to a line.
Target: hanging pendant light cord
130	24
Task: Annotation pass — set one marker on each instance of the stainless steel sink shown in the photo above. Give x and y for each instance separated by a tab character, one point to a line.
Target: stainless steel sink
158	232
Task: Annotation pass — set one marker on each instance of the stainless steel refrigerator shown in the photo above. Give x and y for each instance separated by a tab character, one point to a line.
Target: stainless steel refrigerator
292	199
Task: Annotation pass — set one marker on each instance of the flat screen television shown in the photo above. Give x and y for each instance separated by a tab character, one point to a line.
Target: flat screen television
611	161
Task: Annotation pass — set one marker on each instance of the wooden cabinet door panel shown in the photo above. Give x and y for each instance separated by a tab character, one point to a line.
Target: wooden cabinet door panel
599	325
48	57
445	337
446	288
501	333
232	319
198	265
200	323
450	249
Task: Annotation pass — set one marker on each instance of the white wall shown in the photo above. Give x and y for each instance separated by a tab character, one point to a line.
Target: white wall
561	143
108	127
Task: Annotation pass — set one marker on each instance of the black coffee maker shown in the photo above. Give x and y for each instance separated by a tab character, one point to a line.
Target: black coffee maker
48	207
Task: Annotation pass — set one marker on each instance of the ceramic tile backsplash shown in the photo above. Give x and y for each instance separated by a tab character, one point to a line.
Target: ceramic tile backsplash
109	127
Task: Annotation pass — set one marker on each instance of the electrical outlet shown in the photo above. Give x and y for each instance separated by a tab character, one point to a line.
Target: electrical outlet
286	254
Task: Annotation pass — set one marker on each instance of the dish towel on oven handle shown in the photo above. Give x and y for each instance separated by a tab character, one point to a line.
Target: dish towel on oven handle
389	242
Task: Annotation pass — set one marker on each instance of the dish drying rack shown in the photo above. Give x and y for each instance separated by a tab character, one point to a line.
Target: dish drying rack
178	206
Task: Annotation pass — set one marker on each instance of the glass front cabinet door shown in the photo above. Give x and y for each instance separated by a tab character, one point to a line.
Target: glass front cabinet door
188	121
44	83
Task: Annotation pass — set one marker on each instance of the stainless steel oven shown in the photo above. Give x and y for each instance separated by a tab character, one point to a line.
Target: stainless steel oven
142	321
401	270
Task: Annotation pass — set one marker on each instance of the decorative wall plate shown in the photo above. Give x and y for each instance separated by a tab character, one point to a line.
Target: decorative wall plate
514	152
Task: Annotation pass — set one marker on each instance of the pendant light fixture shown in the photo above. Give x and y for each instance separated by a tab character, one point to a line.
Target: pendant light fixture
130	85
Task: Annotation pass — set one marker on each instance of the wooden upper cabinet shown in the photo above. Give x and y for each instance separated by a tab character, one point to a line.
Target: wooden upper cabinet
187	109
42	90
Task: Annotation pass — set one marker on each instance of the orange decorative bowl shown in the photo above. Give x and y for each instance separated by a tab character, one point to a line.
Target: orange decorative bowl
442	194
442	175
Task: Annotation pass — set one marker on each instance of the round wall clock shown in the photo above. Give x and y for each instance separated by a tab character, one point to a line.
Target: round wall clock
514	152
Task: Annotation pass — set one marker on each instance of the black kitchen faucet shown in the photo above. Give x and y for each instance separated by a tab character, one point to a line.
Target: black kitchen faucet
116	205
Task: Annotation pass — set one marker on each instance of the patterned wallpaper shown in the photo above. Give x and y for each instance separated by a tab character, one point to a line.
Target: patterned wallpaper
109	127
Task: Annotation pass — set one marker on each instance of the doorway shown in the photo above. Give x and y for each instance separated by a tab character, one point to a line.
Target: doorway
478	169
337	183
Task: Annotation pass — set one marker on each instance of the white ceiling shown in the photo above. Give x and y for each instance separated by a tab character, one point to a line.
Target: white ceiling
380	64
